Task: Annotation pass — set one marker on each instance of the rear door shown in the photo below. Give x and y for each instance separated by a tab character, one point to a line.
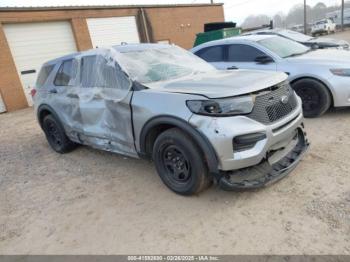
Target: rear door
214	55
62	95
104	103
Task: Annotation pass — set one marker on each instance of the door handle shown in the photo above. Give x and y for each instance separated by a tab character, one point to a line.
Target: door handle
232	68
53	91
72	96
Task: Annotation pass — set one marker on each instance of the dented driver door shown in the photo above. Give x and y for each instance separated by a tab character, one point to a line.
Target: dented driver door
104	100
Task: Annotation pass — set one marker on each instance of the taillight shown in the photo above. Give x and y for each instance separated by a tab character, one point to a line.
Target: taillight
33	92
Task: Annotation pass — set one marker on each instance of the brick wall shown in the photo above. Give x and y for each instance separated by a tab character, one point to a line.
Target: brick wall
181	24
10	84
177	24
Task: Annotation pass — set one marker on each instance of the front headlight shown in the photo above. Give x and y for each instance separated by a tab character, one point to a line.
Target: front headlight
222	107
341	71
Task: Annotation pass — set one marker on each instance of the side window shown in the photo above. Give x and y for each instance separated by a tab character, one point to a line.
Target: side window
88	74
243	53
66	74
97	71
212	53
43	75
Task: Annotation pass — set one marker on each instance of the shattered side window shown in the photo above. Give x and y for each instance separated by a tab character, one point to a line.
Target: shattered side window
99	71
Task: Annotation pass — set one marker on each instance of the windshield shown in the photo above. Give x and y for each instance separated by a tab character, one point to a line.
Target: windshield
296	36
161	64
284	47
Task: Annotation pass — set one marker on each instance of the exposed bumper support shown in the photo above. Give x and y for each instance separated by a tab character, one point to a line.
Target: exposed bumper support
265	173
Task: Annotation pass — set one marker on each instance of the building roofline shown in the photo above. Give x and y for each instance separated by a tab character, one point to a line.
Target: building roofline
89	7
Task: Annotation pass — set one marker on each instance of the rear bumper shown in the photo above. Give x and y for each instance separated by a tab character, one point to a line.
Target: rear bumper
319	30
265	173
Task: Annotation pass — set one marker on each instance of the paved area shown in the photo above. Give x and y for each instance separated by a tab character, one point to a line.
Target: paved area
93	202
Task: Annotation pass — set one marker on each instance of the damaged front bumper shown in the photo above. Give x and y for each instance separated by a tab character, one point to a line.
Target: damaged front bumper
266	172
251	154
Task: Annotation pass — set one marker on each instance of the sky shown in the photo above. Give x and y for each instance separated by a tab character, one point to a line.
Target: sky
235	10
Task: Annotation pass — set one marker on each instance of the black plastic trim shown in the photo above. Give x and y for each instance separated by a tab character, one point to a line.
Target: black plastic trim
136	86
264	174
49	109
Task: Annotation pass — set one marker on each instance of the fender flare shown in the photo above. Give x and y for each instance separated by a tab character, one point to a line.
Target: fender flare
48	108
200	139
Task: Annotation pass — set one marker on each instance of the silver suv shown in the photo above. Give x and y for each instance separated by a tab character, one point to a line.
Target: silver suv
240	129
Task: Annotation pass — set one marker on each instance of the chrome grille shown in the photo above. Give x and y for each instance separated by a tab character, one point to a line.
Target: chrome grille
269	107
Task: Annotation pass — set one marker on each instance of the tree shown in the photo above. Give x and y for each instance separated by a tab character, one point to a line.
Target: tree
278	21
296	15
318	12
255	21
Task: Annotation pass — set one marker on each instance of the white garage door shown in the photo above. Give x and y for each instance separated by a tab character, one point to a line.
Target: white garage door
32	44
113	31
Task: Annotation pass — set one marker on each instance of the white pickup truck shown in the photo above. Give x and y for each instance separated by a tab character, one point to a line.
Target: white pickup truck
323	26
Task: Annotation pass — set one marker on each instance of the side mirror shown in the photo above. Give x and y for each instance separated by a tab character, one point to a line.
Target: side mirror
264	59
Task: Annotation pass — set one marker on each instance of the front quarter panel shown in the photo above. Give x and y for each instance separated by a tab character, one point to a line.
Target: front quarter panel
319	72
149	103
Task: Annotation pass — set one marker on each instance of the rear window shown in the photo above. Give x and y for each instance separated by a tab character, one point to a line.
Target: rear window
212	54
43	75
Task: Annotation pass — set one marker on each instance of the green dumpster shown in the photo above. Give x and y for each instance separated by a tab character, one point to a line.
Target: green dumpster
216	35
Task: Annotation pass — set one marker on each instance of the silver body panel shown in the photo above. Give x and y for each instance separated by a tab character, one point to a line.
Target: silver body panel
104	119
221	132
315	64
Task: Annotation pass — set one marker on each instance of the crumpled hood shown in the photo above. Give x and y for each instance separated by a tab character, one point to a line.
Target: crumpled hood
219	83
329	42
328	57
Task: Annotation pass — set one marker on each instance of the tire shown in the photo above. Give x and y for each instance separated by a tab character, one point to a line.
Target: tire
315	96
56	135
180	163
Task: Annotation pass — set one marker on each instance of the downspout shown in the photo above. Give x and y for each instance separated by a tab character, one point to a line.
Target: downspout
144	22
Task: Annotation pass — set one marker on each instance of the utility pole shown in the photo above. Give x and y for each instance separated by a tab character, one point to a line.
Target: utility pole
342	15
305	20
212	1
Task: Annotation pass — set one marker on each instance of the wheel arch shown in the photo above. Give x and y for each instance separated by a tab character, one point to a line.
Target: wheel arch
155	126
318	80
43	111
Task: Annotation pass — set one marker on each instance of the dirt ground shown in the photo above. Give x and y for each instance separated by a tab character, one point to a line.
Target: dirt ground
93	202
340	35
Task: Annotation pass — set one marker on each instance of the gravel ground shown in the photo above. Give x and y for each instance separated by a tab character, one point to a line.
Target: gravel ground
93	202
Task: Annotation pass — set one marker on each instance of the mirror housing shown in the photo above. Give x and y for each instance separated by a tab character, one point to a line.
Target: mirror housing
315	46
264	59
